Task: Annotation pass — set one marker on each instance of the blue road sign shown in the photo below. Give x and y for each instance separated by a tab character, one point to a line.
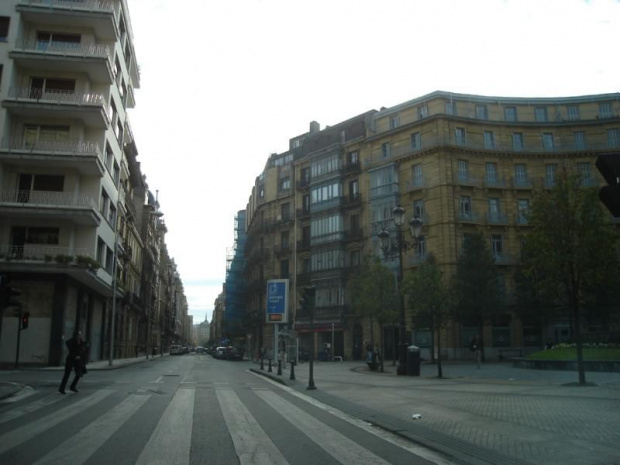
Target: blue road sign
277	301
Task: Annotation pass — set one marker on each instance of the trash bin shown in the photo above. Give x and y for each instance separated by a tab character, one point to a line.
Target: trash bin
413	361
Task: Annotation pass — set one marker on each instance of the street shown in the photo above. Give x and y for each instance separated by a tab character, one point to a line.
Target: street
190	409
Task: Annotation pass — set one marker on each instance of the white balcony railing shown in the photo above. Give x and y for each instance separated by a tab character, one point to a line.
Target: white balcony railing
66	48
72	147
56	96
40	252
87	5
62	199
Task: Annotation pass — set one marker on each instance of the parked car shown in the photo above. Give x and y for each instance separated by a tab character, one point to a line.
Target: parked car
176	349
303	354
200	350
234	353
219	352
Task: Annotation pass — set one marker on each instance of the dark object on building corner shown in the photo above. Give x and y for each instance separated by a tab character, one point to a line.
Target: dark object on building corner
608	165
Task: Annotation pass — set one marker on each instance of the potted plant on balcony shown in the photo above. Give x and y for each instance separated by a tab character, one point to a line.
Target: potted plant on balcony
63	259
87	262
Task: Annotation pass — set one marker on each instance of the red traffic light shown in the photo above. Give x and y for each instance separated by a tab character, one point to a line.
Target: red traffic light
25	320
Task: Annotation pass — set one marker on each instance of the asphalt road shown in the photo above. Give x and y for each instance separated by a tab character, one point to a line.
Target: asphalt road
187	410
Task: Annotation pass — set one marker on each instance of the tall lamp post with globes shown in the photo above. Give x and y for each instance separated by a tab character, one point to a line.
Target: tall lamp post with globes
392	249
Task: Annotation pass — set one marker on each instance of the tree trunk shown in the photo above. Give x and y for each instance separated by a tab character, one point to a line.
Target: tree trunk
577	323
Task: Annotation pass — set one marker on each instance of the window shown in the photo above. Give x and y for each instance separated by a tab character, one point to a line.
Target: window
40	182
521	178
579	139
583	168
517	141
491	173
354	223
460	136
489	140
547	141
326	192
417	176
523	208
451	108
118	130
481	112
540	114
285	211
50	88
328	259
116	173
285	184
510	114
416	141
33	235
354	258
613	137
46	137
605	110
354	189
497	246
465	206
109	157
550	175
494	210
382	182
112	216
394	122
423	111
463	173
305	175
418	209
421	247
284	269
353	158
572	112
385	150
58	41
306	203
4	28
326	229
325	166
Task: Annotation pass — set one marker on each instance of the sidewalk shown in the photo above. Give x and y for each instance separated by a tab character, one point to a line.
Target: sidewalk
8	389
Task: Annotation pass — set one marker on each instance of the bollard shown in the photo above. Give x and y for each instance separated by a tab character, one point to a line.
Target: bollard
270	370
292	377
262	366
279	367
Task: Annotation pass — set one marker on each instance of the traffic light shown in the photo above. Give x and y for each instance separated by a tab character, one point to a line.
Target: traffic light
8	294
25	318
307	300
609	166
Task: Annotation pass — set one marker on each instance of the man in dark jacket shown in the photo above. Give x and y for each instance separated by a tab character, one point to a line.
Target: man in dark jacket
75	361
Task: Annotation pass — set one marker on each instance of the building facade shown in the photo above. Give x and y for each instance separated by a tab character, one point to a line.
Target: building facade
461	163
80	232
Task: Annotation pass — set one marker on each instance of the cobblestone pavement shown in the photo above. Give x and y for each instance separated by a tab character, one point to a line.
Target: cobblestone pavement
496	415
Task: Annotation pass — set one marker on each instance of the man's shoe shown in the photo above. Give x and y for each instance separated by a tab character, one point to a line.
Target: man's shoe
61	391
73	389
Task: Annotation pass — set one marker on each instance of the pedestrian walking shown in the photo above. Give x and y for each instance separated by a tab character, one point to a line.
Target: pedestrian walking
476	347
75	361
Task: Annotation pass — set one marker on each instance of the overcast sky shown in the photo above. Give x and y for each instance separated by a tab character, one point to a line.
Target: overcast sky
225	83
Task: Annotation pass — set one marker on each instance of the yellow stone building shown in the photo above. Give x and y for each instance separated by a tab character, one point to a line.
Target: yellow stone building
462	163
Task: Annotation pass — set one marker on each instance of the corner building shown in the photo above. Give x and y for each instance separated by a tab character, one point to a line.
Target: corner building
68	73
462	163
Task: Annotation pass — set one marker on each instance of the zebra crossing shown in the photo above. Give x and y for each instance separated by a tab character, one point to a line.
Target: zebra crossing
250	434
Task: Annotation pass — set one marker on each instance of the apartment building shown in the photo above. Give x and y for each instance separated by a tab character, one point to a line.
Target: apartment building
461	163
76	217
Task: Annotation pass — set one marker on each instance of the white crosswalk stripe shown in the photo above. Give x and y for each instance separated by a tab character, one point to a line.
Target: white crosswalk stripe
171	440
77	449
252	444
20	435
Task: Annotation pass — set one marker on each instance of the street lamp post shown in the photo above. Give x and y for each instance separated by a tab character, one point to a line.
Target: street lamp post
391	249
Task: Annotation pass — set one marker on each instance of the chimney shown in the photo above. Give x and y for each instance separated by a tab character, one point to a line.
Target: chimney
314	127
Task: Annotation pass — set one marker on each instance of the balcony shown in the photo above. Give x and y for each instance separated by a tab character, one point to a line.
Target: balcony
336	202
417	183
94	60
302	184
279	250
468	217
303	213
352	168
303	245
353	200
492	182
497	218
45	205
85	156
97	15
31	103
522	183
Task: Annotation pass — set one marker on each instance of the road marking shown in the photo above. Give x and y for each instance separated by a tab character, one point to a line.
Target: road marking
331	441
46	401
20	435
171	441
412	448
158	380
252	445
77	449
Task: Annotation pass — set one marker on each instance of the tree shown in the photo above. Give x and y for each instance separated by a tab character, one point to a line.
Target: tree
430	299
372	294
571	250
475	283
